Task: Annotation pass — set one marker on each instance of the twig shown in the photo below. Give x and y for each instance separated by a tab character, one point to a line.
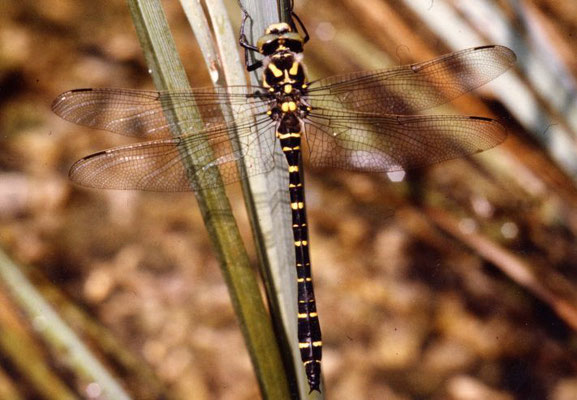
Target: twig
514	267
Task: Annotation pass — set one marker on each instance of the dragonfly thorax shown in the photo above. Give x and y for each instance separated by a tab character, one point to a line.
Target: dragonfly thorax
284	73
285	78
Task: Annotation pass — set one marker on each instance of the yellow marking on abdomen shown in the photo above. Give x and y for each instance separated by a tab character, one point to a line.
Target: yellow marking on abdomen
293	168
298	205
288	135
317	344
305	315
300	243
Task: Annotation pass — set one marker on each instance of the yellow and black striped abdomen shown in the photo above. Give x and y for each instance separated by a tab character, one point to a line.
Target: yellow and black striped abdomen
309	331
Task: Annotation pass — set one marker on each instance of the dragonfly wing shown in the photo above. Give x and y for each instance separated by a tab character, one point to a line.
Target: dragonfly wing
184	163
373	143
151	114
415	87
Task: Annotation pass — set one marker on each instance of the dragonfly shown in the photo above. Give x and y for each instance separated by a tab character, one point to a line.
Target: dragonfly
364	121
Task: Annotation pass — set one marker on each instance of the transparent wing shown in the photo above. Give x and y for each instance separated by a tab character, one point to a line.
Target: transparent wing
140	113
415	87
180	164
374	143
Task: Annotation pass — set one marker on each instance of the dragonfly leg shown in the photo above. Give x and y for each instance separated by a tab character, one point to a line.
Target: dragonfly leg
243	41
303	27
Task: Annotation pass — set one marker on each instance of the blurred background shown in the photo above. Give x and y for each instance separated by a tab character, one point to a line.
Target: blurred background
459	282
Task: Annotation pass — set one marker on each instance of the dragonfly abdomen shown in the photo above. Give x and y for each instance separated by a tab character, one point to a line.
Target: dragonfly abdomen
309	331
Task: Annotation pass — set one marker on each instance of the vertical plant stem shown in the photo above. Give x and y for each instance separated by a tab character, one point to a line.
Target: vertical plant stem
274	220
273	203
276	236
168	73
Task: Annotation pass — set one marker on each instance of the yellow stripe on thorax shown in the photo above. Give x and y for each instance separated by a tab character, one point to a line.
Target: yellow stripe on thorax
294	68
288	106
275	70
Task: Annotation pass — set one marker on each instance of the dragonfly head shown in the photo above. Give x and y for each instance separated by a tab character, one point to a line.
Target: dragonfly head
278	38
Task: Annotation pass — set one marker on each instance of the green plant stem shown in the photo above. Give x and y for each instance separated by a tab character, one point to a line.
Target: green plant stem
138	374
240	278
25	355
55	331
